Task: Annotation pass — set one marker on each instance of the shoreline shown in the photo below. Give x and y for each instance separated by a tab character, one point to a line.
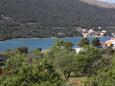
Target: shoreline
26	38
39	42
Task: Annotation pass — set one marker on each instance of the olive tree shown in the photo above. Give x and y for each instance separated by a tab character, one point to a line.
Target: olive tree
64	60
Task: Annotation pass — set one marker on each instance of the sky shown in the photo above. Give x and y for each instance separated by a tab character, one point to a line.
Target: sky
111	1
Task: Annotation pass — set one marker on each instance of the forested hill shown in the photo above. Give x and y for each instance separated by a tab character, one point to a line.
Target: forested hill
57	12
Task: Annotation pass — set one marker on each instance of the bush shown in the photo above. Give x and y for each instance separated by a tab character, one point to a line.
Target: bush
18	72
83	42
102	79
91	60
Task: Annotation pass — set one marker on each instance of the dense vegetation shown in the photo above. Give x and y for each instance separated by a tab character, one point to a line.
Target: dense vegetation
58	65
47	18
31	30
57	12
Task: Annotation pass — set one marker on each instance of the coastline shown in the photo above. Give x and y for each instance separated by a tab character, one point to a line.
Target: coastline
26	38
44	43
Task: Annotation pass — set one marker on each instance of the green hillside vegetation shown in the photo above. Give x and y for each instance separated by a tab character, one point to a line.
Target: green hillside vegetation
59	66
47	18
57	12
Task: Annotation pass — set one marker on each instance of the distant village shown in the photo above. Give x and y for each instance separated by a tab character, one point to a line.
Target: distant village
99	32
92	32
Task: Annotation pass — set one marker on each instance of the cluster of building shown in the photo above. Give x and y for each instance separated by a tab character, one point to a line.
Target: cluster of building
93	32
110	43
86	32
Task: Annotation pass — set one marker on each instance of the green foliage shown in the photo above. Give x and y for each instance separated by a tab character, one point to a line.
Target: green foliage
61	44
102	79
91	60
19	72
69	45
83	42
63	57
23	50
58	44
37	52
65	61
61	13
42	19
109	51
85	63
60	63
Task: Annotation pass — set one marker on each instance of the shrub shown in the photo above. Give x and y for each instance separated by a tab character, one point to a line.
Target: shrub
18	72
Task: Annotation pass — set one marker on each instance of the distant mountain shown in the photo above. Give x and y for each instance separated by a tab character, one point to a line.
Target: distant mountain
60	12
100	3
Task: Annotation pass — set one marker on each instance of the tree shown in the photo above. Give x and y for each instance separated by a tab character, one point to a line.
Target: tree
91	60
83	42
37	53
18	72
65	61
23	50
96	42
69	45
61	44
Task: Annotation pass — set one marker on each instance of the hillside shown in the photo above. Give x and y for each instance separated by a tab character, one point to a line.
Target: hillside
47	18
57	12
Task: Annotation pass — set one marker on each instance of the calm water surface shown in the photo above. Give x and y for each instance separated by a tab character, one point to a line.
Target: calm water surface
33	43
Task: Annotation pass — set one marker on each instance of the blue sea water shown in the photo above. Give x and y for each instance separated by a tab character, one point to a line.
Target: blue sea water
34	43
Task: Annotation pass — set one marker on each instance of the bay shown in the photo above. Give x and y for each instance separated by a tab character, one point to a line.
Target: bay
34	43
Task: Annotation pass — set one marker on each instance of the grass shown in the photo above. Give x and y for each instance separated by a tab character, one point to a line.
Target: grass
82	79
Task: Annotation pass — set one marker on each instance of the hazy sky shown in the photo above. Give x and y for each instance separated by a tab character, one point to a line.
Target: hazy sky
112	1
